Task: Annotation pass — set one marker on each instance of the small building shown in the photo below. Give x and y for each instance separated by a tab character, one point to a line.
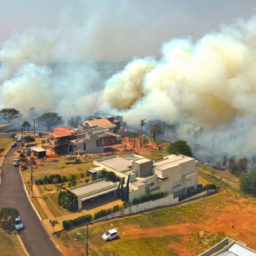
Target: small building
229	247
93	190
39	152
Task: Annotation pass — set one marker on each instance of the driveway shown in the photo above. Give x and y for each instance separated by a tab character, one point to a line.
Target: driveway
12	194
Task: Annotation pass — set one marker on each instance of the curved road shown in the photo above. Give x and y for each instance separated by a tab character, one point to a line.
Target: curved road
12	194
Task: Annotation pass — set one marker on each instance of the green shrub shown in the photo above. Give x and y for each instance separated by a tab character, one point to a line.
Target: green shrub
109	176
52	179
68	200
105	212
148	197
7	219
69	224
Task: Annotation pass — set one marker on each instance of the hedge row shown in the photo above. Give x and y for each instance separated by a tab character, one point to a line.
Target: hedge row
69	224
148	197
200	188
105	212
52	179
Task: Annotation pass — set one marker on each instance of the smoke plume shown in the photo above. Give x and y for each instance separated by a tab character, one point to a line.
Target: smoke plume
207	87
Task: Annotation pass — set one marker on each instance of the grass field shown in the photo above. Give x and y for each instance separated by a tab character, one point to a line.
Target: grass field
9	245
187	229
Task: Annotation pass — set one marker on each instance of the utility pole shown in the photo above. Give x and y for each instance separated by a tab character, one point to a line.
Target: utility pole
34	120
31	179
87	238
142	122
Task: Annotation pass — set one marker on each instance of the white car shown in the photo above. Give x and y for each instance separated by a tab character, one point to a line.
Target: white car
18	223
110	235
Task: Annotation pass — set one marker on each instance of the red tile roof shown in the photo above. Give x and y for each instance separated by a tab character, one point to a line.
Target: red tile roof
60	132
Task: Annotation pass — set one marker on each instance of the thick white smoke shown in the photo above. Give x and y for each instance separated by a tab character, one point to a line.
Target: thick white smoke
209	85
206	88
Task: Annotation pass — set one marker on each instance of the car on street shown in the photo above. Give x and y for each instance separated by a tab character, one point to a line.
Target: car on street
110	235
16	162
14	144
18	223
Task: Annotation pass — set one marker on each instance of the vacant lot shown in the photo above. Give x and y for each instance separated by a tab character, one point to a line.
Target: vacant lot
9	245
188	229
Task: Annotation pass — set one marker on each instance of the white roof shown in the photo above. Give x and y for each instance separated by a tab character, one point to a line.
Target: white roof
241	251
111	231
37	149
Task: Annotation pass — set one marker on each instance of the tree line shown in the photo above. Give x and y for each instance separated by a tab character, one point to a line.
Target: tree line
47	120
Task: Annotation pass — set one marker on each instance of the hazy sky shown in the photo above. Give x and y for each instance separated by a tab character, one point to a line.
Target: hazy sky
120	28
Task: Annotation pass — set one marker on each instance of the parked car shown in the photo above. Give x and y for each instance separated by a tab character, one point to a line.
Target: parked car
110	235
16	162
14	144
18	223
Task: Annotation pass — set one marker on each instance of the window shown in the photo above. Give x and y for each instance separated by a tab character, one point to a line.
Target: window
152	184
97	143
84	146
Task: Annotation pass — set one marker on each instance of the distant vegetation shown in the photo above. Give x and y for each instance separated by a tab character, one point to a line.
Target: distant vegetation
179	147
52	179
237	167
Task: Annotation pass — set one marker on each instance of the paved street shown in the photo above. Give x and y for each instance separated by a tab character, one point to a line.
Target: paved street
12	194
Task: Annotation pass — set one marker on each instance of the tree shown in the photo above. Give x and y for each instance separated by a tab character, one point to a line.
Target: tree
50	120
237	167
9	114
156	129
179	147
25	126
74	121
248	183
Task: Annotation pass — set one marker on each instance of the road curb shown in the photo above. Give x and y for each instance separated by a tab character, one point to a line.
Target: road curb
22	245
30	201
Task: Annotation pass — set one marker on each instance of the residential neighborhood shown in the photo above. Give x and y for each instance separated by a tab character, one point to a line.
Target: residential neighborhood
128	128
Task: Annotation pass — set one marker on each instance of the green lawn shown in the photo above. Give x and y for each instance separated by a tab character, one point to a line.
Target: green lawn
9	245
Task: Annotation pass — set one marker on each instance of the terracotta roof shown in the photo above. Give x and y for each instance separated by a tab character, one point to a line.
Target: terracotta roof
62	132
102	122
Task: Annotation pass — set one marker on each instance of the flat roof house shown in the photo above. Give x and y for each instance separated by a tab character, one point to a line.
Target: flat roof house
229	247
174	174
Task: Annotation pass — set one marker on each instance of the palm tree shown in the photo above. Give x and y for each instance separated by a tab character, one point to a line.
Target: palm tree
60	187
